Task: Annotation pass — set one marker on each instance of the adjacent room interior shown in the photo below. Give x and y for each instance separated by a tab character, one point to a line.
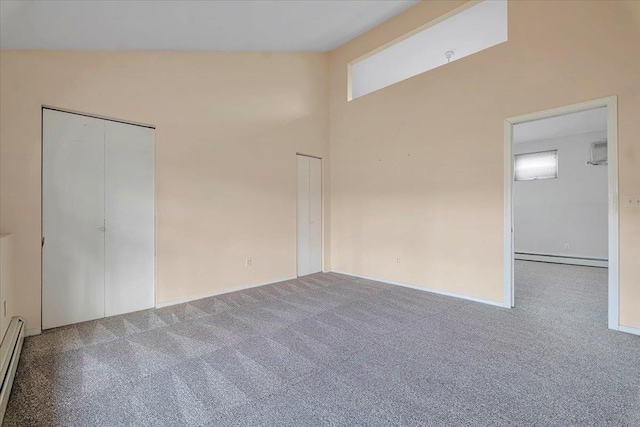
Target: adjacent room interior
319	213
560	208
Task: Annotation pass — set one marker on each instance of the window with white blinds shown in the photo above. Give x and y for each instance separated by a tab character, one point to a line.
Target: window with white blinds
532	166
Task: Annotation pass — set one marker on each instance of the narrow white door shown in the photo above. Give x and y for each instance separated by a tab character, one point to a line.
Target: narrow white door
315	215
303	215
309	215
73	218
129	218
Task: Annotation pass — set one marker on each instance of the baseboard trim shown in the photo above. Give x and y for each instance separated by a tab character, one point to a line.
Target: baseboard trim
589	262
629	330
213	294
33	331
420	288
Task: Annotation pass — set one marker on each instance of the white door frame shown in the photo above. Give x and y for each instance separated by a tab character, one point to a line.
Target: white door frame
611	103
321	210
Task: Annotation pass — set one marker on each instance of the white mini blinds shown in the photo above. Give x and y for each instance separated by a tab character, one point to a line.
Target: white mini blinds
531	166
473	27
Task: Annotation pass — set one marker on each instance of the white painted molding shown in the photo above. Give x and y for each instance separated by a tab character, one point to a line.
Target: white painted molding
614	230
420	288
33	331
629	330
554	259
509	245
111	119
213	294
611	103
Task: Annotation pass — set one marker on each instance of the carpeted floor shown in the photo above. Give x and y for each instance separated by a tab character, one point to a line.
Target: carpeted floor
329	349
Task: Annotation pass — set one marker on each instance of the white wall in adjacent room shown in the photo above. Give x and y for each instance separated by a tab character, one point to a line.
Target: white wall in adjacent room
570	210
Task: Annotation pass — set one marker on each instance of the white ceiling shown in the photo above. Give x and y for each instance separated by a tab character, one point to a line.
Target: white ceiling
559	126
293	25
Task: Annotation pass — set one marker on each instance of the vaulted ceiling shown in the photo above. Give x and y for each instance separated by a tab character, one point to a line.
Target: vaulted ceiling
290	25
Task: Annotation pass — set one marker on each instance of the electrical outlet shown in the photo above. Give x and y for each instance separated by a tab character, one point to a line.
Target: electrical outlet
632	201
566	246
248	262
397	260
628	201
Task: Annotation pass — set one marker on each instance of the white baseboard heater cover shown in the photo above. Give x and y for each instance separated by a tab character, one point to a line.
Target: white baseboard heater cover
9	355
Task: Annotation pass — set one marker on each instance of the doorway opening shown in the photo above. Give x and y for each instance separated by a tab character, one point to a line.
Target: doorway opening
561	198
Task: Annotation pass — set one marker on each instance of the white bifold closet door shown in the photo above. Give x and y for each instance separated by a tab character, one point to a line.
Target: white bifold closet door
130	218
309	215
98	218
73	216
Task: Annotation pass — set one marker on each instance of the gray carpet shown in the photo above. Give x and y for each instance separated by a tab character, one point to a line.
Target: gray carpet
329	349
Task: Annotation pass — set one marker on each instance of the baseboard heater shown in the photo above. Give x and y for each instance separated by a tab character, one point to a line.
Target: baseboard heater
558	259
9	355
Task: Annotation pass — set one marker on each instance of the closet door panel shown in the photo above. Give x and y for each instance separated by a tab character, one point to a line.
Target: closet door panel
303	222
315	215
130	218
72	218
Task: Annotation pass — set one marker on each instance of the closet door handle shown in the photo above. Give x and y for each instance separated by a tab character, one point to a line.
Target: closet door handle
103	228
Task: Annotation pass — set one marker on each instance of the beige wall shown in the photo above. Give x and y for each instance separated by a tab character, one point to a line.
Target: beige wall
228	126
417	167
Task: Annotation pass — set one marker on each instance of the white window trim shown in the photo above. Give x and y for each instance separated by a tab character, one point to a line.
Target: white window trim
469	4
